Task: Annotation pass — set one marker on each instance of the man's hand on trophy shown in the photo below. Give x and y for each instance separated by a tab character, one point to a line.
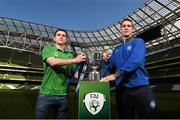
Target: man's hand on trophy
80	58
108	78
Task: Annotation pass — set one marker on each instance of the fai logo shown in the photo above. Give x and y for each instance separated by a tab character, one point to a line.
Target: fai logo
94	102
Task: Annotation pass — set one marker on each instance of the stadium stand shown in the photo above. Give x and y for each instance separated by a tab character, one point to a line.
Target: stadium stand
164	64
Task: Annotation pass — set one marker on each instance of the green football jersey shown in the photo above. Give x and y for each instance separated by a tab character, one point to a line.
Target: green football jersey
54	81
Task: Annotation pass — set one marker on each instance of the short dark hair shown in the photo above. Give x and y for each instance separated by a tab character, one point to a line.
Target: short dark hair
59	29
126	19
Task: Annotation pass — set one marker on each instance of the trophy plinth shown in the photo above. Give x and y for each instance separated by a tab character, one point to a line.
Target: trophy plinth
94	59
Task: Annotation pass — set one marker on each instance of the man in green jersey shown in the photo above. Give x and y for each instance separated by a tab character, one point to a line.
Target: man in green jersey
58	64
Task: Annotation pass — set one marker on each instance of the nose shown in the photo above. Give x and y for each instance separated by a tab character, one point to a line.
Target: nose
61	36
126	27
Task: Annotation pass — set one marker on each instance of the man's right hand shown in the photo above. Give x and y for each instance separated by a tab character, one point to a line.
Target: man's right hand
108	78
80	58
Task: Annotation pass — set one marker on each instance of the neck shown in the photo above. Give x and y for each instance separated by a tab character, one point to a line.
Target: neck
126	39
61	47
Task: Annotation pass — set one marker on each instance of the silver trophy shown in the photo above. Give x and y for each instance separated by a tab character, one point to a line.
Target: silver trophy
94	59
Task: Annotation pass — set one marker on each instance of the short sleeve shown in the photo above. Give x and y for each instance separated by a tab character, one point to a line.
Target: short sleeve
47	52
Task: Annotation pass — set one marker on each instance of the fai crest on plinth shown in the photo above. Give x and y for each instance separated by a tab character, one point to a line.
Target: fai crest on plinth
94	102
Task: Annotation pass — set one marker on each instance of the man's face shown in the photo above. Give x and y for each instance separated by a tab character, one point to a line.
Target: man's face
126	29
60	38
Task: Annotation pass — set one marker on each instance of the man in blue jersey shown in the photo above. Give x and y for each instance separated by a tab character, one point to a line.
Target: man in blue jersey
133	92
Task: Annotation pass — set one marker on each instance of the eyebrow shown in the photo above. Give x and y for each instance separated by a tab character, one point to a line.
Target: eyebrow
61	34
126	25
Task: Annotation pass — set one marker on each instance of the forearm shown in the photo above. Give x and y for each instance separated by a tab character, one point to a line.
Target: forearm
118	74
113	76
58	61
52	61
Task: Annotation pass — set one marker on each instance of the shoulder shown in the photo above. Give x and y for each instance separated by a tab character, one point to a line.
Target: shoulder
48	48
138	40
118	46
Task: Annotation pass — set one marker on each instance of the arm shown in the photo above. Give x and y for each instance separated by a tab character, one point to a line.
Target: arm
112	77
52	61
135	60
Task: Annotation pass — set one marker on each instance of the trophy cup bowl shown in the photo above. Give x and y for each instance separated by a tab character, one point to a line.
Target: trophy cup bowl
94	59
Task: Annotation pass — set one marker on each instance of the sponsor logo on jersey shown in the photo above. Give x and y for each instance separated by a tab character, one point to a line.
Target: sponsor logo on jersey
129	48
